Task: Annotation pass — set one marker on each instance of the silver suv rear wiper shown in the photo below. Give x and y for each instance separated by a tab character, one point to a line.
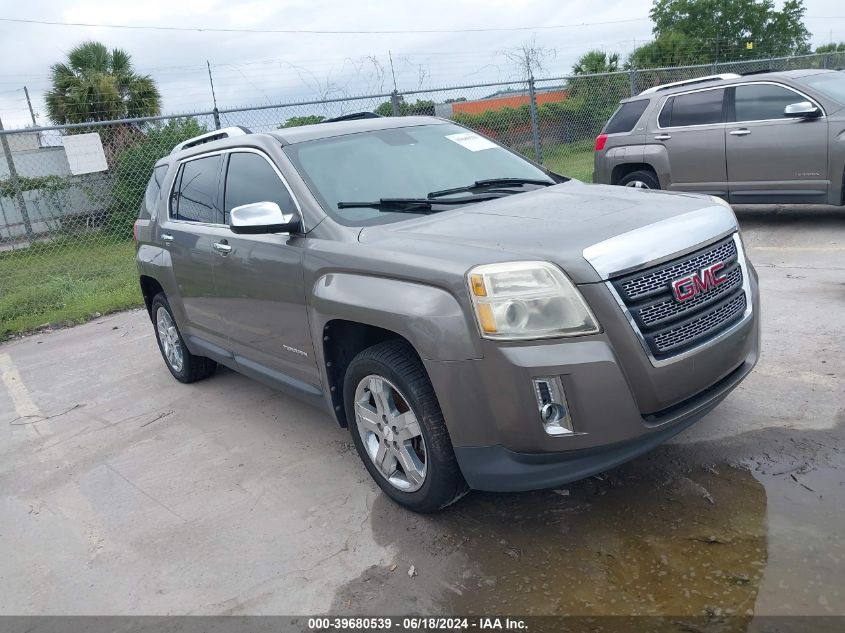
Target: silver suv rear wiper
492	183
413	205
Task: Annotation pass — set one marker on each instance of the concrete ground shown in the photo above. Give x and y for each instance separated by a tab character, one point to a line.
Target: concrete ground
125	492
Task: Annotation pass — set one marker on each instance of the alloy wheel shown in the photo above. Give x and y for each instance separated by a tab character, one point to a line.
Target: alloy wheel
171	344
390	433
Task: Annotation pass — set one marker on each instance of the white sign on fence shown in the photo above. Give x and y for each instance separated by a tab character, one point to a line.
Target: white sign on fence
85	153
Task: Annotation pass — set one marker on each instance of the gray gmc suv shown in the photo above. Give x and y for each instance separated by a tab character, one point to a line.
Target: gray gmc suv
476	321
759	138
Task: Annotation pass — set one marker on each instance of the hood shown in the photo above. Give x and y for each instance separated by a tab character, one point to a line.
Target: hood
558	224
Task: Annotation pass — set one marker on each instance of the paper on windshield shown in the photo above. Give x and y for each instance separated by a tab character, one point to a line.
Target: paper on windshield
472	141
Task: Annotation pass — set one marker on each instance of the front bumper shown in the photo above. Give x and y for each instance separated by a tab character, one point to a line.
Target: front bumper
621	405
497	469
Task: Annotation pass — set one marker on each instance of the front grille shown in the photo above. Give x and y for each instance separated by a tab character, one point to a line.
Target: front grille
702	327
653	282
667	309
668	326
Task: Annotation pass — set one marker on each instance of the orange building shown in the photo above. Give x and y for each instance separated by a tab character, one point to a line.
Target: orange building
507	100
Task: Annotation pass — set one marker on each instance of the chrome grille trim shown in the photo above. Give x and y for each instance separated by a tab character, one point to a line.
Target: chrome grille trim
660	241
654	283
716	337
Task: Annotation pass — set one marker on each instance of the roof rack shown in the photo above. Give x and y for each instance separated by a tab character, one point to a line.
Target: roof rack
353	116
214	135
688	82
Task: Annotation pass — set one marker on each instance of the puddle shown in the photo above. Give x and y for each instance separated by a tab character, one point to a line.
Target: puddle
656	537
623	546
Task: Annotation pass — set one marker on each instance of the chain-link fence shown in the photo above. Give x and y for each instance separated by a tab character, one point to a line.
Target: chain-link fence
69	195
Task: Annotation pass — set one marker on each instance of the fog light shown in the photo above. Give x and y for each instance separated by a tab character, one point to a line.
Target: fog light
554	412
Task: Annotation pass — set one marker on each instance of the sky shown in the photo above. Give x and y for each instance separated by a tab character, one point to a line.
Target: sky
265	68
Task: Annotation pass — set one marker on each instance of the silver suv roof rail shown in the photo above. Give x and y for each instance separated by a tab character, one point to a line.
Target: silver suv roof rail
214	135
687	82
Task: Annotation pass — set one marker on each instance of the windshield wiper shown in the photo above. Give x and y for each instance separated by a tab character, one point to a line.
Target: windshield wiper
412	205
492	183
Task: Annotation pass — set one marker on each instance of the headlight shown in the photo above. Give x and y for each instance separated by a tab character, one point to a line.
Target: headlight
527	300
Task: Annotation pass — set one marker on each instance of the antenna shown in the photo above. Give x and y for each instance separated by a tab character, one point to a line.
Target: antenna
213	96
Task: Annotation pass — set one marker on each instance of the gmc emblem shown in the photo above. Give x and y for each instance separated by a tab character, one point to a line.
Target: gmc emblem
685	288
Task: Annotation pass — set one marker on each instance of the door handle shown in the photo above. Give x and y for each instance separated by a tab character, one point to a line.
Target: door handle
166	238
222	247
662	137
742	132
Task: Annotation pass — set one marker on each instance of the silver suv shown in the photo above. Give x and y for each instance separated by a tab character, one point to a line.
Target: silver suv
766	138
475	320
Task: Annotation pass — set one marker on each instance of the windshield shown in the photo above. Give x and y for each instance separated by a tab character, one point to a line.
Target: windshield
831	85
409	162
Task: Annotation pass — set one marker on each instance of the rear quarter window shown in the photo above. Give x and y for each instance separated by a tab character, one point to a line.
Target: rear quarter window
626	117
153	193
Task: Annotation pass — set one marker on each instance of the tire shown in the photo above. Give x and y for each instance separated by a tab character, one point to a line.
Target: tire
640	180
416	435
190	368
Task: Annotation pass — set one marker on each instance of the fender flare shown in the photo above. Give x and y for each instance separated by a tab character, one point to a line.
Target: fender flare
428	317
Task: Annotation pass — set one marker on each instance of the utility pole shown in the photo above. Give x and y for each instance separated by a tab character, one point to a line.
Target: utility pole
395	107
16	184
392	72
29	103
716	59
535	121
213	97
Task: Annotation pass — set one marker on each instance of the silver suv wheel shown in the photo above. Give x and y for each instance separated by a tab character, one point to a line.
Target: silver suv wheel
637	184
170	343
390	433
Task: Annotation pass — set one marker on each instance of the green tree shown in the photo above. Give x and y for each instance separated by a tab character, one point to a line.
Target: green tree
670	49
596	61
308	119
831	48
134	166
705	31
420	107
96	84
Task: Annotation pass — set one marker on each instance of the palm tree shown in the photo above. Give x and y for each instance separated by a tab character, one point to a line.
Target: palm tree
96	84
596	61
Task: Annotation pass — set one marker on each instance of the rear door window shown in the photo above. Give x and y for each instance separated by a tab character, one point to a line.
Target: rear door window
761	102
250	178
694	108
195	195
626	117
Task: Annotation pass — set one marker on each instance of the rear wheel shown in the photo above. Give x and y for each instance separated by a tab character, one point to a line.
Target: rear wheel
640	180
398	428
184	366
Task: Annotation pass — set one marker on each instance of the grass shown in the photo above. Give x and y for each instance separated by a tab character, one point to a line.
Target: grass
571	159
65	281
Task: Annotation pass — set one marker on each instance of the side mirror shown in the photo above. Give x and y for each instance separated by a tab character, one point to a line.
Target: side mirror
802	110
263	217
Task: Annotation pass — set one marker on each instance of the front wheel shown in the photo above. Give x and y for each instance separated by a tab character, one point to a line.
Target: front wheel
640	180
398	429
